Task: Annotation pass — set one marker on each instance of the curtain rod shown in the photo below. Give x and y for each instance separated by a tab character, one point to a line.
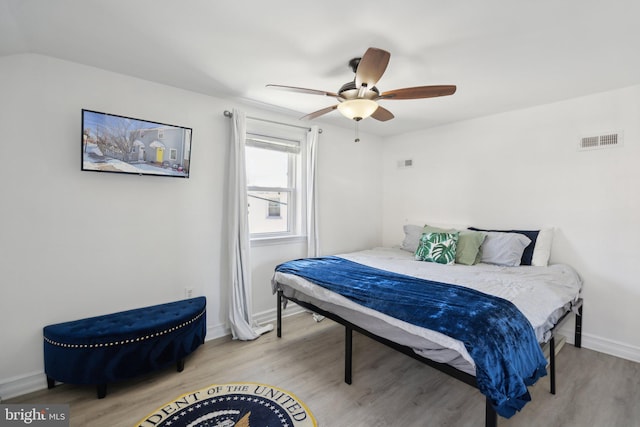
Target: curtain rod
229	114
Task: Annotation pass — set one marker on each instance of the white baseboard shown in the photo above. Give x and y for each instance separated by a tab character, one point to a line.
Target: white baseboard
217	331
264	319
611	347
23	384
270	315
604	345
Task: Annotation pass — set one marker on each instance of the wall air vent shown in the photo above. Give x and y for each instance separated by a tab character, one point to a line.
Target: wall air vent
609	140
408	163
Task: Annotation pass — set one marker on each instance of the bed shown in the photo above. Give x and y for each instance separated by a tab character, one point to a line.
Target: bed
544	295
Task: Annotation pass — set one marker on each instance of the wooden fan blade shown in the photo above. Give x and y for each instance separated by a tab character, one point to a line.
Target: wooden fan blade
305	90
419	92
382	114
372	67
319	113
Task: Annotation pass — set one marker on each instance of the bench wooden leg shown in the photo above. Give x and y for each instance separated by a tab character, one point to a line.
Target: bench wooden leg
180	365
102	391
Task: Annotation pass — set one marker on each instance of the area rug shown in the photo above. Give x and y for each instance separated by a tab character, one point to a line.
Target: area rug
233	405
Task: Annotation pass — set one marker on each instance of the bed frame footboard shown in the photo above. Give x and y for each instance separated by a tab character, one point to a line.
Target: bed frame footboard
491	416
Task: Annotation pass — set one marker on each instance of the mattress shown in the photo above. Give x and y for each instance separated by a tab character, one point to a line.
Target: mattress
542	294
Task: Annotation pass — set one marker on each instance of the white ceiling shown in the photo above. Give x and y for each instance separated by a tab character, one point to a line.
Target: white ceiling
502	54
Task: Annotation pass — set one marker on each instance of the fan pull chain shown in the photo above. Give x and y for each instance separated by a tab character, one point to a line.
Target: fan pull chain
357	137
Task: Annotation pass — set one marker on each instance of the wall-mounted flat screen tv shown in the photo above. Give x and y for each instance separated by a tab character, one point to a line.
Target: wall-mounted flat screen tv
113	143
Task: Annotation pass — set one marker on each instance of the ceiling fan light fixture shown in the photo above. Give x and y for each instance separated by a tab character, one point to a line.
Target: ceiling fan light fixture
358	97
357	109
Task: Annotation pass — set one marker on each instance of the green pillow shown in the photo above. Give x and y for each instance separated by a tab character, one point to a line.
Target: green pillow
437	247
468	246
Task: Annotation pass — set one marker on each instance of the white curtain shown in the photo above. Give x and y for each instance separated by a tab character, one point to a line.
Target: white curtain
313	247
240	309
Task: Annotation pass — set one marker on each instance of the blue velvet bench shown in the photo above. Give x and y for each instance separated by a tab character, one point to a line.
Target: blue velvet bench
114	347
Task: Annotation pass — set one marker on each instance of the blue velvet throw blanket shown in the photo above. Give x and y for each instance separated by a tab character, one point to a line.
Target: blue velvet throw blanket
496	334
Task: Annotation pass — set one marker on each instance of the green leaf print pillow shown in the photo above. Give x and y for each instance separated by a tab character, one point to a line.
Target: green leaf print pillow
437	247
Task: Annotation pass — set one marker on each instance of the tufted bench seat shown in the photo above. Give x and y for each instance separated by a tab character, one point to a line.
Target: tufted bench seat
113	347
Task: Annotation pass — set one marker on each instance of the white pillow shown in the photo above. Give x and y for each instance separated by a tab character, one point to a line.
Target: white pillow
412	234
542	249
503	248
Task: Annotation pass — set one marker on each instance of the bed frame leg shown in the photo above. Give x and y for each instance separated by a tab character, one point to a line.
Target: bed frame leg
552	364
279	315
490	415
578	331
348	353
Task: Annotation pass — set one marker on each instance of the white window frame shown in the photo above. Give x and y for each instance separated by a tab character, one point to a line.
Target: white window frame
283	139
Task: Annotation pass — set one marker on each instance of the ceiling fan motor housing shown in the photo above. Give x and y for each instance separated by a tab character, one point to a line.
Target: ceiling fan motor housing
350	91
353	64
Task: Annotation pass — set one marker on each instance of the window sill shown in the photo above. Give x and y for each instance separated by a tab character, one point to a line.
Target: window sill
279	240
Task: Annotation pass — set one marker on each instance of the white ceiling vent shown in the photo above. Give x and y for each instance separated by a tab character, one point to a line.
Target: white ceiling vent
609	140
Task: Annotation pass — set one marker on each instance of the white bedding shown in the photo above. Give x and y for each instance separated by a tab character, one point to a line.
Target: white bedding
542	294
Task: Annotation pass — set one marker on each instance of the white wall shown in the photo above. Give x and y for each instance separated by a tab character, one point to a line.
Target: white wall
522	169
77	244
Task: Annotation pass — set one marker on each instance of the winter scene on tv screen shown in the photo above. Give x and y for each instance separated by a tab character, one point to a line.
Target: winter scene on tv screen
112	143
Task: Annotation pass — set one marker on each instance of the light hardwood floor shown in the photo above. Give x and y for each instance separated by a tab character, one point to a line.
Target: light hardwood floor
389	388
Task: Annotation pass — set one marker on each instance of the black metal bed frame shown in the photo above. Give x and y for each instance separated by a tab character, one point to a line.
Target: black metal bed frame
491	417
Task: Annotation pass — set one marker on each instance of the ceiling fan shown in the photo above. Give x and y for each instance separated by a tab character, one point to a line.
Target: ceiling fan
359	98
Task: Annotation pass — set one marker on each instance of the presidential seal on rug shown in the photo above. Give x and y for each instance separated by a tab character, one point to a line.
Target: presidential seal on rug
233	405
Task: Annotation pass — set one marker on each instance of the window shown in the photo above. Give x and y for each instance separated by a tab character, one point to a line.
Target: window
275	179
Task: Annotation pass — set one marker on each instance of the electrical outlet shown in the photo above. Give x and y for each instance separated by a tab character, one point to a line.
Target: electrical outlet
188	292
